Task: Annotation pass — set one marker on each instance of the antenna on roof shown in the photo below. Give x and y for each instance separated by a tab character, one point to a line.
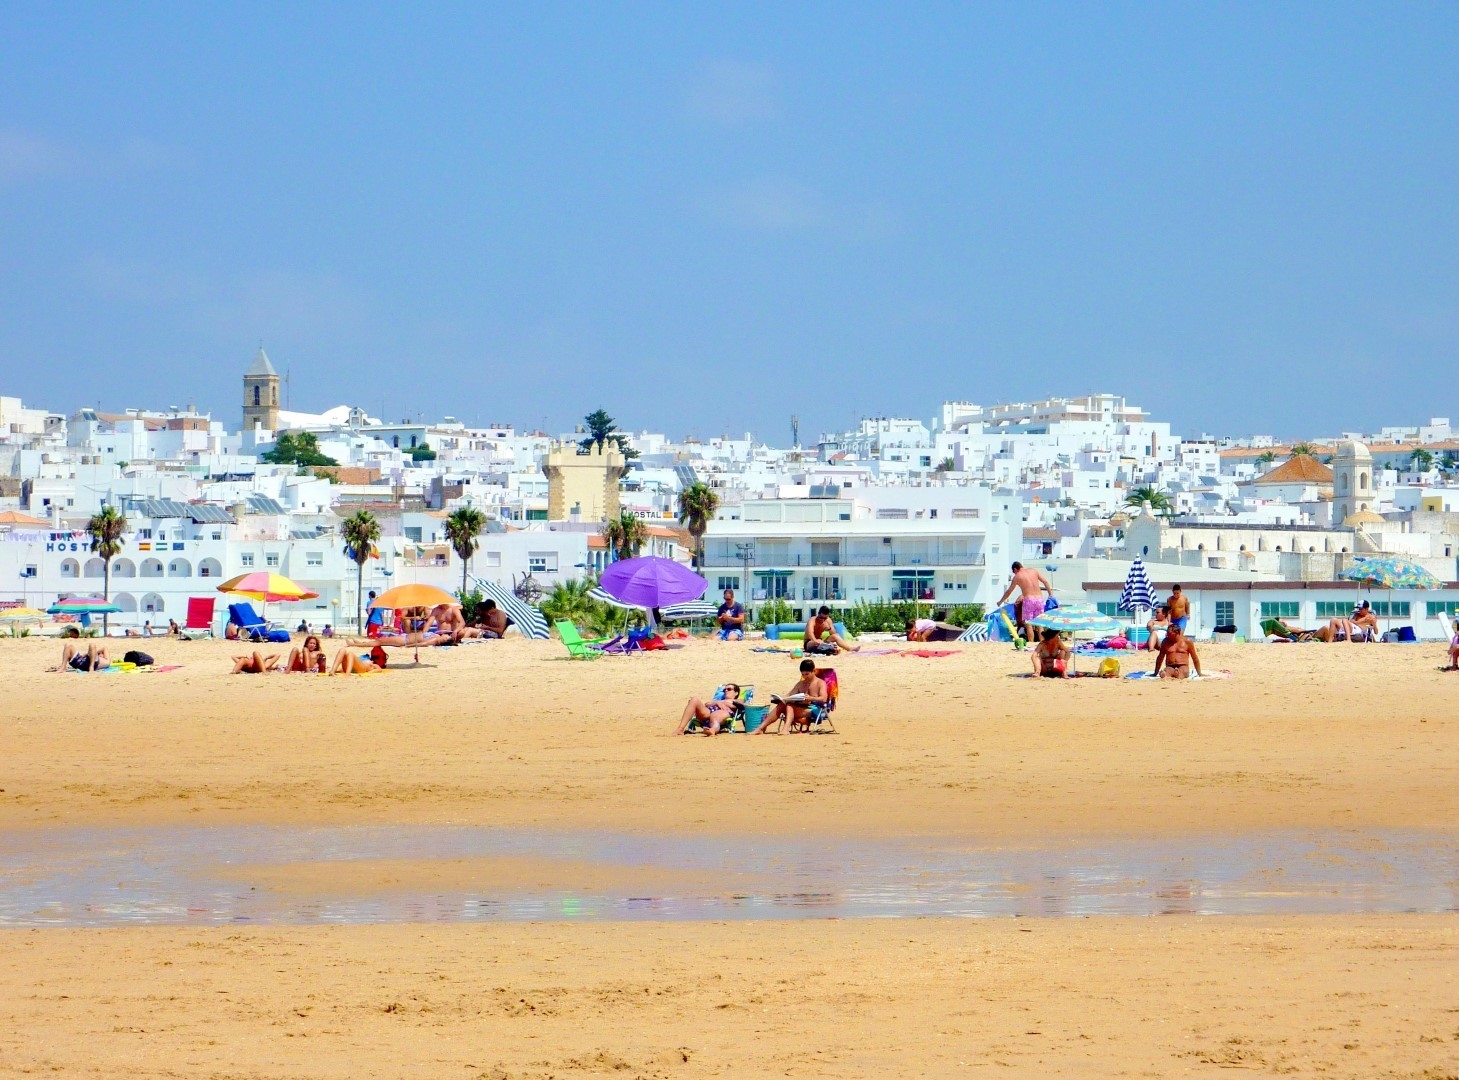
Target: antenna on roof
288	387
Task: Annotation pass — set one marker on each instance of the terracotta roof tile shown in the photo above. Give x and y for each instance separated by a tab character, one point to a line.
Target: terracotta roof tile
1299	469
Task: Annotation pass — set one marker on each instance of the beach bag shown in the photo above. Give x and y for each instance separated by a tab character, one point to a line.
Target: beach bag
141	659
1109	668
1051	604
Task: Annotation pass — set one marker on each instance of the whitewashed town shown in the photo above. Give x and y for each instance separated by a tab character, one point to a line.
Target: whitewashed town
932	511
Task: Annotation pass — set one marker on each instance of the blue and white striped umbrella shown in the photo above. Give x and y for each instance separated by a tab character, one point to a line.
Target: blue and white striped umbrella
612	601
1138	592
688	612
524	616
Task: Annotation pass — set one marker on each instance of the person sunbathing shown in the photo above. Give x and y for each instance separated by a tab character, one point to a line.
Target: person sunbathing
449	622
1177	656
255	664
713	715
1052	657
821	632
1158	624
493	620
1454	648
348	662
794	708
932	630
1364	623
309	657
93	659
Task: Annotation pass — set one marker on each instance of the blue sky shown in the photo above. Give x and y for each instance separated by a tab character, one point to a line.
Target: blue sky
1243	217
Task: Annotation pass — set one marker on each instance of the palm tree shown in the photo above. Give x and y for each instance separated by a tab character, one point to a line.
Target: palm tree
1267	457
106	527
1422	460
1304	448
1152	497
569	602
697	504
360	531
625	535
463	526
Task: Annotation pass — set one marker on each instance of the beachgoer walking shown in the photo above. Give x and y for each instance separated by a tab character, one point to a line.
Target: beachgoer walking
1179	608
1031	586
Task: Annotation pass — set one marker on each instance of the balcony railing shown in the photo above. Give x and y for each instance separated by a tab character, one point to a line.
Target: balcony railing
720	561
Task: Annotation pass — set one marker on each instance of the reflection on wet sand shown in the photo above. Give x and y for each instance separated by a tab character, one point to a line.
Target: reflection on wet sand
178	875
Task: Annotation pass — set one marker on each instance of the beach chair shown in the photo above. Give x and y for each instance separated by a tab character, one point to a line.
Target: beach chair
740	702
199	617
818	717
251	626
1274	628
577	648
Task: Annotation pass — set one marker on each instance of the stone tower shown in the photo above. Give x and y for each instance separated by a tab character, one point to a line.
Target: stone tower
1352	481
585	483
261	394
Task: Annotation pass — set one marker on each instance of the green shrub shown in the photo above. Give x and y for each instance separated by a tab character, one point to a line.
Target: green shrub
882	617
776	611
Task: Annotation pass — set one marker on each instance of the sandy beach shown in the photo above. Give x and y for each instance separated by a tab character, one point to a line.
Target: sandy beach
509	735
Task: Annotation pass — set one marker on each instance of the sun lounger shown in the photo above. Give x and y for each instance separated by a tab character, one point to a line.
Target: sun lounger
251	626
199	617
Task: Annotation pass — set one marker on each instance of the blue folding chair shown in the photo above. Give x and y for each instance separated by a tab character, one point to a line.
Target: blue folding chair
251	626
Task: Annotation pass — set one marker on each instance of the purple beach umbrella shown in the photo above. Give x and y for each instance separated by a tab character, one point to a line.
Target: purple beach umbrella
652	582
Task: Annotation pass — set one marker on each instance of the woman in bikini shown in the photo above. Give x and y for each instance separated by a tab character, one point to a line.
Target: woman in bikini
254	664
308	658
1051	658
714	715
1177	656
1454	649
348	662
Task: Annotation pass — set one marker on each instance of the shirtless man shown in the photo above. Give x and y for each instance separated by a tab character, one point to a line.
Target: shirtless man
493	620
1179	608
822	631
810	689
451	623
1365	622
1177	656
1031	586
93	659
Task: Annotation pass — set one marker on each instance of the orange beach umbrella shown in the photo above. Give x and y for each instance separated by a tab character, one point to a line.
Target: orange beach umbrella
413	596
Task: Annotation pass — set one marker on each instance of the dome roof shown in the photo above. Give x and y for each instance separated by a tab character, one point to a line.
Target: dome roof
1363	517
1352	450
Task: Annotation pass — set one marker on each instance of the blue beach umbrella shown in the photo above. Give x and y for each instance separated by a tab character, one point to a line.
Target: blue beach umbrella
1072	618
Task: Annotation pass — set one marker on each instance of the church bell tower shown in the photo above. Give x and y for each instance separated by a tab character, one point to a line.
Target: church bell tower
261	394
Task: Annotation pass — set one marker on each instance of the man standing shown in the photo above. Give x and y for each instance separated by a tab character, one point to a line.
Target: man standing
1180	609
1031	586
731	617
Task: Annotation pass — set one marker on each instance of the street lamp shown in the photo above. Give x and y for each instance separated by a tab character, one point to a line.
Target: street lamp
746	553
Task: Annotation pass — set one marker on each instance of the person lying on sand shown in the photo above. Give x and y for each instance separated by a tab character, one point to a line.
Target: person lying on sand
256	664
795	707
1051	658
1177	656
93	659
348	662
714	714
309	657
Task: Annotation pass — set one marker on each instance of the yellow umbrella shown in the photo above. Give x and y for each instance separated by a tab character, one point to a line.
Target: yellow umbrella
22	613
411	596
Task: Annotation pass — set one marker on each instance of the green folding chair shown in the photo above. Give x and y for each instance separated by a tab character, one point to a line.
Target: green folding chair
577	648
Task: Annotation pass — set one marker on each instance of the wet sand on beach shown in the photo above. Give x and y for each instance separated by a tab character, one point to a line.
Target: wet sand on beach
508	734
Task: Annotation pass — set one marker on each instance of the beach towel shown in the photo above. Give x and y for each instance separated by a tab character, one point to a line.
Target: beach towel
929	653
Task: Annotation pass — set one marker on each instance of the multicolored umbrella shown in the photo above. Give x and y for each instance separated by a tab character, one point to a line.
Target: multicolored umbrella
266	587
1072	618
82	605
652	582
1390	572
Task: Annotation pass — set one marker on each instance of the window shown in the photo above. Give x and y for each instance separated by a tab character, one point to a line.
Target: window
964	512
1397	609
728	582
1110	608
271	559
245	560
886	514
542	562
1280	609
413	532
1225	612
314	558
772	586
146	534
1335	609
536	515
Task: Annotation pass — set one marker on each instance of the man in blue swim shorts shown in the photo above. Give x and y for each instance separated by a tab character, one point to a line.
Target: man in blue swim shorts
1180	609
